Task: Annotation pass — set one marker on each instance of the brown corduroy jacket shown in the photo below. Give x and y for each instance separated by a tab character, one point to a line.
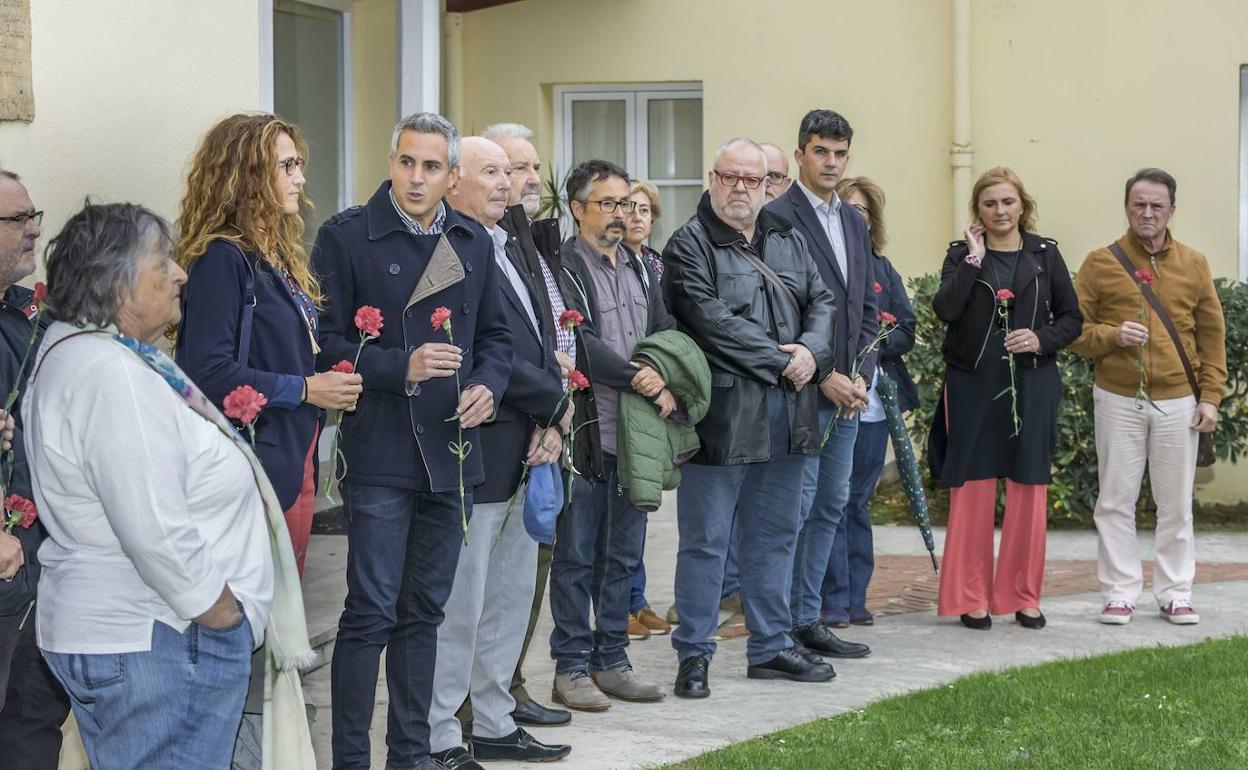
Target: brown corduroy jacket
1184	284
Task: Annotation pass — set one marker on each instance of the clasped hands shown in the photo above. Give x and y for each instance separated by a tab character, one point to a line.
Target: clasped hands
438	359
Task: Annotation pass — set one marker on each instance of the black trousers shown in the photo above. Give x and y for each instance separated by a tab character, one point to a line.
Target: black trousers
33	705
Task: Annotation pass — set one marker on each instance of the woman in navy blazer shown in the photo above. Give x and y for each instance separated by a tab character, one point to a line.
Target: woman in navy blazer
249	313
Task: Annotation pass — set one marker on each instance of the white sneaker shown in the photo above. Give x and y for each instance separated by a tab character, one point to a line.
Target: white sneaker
1117	613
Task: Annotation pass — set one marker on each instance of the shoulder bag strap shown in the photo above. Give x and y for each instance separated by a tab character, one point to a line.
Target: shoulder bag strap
247	312
1160	310
771	276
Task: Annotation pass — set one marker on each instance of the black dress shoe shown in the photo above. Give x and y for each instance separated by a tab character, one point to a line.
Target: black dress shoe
824	642
1026	621
979	624
518	747
535	714
693	678
457	758
811	655
794	666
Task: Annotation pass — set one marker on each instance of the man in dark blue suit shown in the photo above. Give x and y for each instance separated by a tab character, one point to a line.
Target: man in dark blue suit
488	611
407	253
837	238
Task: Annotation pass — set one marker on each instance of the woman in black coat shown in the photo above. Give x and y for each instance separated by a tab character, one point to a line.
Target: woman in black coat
1009	306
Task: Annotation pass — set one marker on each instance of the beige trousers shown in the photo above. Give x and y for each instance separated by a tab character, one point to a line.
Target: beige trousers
1127	440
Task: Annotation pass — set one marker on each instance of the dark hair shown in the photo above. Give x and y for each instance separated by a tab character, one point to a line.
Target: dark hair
1155	175
577	186
4	172
93	263
824	124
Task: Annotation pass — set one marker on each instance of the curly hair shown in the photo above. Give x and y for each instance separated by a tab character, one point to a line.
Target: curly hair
231	194
874	196
1004	175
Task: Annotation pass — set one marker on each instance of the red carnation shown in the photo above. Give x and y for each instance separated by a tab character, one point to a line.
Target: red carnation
244	404
344	366
1004	295
441	318
1144	276
570	319
577	381
878	287
368	320
887	318
41	293
16	504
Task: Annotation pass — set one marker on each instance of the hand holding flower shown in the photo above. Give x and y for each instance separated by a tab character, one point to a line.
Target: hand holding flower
337	389
243	404
476	405
12	557
7	426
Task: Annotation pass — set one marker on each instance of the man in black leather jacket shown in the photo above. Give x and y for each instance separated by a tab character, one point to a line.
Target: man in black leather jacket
741	282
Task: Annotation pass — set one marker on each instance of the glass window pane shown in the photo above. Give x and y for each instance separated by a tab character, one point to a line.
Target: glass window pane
307	91
679	204
675	138
599	131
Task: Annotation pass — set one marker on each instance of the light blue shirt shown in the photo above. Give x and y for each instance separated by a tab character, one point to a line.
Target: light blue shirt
499	236
829	215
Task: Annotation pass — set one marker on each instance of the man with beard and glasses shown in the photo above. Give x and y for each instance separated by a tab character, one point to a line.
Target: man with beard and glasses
599	539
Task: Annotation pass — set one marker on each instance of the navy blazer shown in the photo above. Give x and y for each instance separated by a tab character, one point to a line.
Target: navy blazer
855	322
366	256
534	395
280	351
892	298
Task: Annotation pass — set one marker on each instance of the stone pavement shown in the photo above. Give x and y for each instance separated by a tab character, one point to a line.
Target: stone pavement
912	648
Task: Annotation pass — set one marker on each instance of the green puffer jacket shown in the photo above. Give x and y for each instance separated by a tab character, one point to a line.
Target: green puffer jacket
650	449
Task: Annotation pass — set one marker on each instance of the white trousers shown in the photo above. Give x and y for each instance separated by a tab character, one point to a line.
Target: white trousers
1127	440
486	617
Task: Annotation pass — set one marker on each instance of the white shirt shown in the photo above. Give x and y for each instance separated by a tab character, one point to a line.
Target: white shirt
875	408
150	510
829	215
499	236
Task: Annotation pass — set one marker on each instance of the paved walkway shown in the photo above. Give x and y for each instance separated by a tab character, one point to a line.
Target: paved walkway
912	648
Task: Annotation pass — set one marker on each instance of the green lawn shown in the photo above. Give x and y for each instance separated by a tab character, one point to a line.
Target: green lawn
1172	707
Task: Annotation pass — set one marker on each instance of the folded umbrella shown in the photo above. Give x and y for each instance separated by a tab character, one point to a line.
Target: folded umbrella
907	463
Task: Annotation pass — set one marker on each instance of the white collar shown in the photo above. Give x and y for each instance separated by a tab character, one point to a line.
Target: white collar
816	201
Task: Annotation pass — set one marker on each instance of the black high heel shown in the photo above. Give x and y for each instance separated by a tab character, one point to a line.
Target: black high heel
1027	621
979	624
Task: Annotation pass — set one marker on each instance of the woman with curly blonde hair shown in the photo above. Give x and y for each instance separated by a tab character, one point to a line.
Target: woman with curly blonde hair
249	313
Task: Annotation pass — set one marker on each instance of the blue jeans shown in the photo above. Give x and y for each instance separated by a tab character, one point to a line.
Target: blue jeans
767	499
825	491
598	545
637	594
403	551
732	573
853	557
175	707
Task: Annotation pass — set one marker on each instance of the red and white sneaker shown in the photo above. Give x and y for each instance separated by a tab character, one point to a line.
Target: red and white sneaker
1180	612
1117	613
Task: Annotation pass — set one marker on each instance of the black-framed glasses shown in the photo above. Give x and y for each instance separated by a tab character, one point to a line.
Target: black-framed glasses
730	180
290	164
775	177
24	217
609	205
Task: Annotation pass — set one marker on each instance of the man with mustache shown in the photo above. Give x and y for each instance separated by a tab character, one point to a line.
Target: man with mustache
33	705
599	539
741	283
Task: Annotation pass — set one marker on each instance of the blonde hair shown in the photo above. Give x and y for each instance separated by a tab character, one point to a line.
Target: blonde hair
875	206
232	194
1004	175
651	192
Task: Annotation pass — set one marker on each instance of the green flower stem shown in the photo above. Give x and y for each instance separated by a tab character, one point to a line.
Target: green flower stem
883	332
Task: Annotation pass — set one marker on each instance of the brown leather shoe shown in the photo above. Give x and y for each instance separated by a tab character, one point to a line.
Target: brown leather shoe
637	630
733	627
651	620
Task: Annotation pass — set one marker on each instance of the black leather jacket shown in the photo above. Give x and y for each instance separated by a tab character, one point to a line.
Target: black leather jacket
740	319
1044	301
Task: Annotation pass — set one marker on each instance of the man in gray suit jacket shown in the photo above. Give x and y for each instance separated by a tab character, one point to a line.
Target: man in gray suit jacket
837	238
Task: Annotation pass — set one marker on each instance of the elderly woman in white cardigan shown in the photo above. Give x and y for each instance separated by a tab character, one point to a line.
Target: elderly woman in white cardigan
166	564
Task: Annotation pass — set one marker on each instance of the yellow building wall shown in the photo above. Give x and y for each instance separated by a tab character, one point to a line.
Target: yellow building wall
375	55
123	94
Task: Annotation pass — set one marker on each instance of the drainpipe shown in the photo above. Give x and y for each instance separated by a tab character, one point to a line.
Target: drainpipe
961	152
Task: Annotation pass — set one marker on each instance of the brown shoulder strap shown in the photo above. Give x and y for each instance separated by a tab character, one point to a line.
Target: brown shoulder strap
1160	310
772	277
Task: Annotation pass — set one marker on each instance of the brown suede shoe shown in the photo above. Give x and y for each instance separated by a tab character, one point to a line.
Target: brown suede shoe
651	621
637	630
733	627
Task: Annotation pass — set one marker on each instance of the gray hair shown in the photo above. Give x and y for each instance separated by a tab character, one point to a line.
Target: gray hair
737	141
500	131
93	263
429	123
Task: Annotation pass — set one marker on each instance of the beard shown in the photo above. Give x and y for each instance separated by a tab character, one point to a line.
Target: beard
612	234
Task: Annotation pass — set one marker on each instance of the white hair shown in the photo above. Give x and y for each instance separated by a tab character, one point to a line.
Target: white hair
739	141
499	131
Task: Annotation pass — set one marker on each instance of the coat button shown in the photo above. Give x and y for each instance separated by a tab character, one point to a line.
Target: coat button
415	390
465	307
394	270
420	430
410	313
411	348
468	267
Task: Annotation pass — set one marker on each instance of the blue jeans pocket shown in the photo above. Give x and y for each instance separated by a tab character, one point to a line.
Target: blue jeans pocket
96	671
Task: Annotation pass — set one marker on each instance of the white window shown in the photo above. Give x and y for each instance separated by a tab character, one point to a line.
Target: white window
654	131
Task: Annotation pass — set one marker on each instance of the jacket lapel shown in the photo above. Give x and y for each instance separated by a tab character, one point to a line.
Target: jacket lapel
818	235
444	270
510	293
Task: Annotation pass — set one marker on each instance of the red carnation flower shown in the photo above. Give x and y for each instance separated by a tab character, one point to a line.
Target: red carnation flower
344	366
1144	276
16	504
577	381
41	293
887	318
441	318
368	320
244	404
878	287
1004	295
570	319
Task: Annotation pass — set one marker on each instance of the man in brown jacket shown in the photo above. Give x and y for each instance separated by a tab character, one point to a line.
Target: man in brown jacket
1146	412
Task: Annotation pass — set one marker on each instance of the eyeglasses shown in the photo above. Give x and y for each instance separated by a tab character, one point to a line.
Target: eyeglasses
730	180
24	217
775	177
290	164
609	205
861	209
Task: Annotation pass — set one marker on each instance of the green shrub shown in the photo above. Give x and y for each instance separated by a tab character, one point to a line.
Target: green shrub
1072	493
